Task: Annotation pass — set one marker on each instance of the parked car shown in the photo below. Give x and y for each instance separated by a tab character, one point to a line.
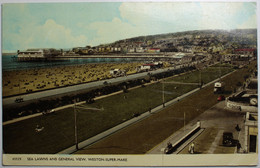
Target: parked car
48	112
19	100
220	98
228	139
218	87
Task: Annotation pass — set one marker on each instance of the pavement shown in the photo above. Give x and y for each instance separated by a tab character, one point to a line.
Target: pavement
214	122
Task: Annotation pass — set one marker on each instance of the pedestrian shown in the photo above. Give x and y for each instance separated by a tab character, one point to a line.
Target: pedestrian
237	128
191	148
168	149
169	145
38	128
238	147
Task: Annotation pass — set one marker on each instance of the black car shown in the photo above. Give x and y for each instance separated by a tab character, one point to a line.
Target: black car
19	100
228	139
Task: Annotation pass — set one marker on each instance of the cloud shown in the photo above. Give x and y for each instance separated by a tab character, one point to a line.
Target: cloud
219	15
167	16
139	19
69	25
48	35
250	23
143	13
156	18
111	31
58	35
188	16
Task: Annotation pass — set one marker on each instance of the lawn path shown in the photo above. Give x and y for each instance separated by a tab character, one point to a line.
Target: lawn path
215	143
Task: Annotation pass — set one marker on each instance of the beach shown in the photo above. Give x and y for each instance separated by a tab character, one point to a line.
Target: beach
30	80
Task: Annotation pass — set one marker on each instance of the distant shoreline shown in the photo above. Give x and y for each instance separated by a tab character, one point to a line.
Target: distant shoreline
7	54
10	64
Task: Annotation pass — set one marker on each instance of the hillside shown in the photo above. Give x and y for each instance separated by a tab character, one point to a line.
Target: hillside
210	41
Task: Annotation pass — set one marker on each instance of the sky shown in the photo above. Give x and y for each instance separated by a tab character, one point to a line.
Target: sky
67	25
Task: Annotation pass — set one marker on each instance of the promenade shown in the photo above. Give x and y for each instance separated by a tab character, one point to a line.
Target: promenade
75	88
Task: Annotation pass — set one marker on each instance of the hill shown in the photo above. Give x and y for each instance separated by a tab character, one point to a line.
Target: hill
210	41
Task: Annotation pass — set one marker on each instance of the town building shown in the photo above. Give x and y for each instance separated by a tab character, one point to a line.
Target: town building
251	133
251	52
247	102
153	50
187	59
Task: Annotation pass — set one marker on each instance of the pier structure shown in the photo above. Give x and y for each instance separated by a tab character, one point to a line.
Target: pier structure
38	54
56	55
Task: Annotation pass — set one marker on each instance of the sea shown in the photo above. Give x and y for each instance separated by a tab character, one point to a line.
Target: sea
10	64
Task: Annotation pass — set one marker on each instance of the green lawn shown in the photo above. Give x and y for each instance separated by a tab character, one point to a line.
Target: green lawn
142	136
58	132
207	75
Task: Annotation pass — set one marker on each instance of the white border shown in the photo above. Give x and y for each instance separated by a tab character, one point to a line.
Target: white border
220	160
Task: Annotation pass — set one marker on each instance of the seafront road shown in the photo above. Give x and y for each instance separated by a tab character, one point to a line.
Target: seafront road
76	88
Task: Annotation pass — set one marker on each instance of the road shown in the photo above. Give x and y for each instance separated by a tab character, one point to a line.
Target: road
217	120
75	88
214	121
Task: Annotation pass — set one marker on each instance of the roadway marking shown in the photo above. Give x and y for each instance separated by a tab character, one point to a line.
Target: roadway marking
215	143
182	83
21	118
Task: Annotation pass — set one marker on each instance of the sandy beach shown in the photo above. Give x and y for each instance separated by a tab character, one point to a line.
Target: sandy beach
25	81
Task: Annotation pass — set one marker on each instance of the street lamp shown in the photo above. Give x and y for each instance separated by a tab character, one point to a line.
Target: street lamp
184	116
75	121
163	94
75	127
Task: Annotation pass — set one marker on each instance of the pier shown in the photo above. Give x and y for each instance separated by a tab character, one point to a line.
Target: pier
76	56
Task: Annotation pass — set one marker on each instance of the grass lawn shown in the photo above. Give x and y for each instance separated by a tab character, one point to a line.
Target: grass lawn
58	132
207	75
141	137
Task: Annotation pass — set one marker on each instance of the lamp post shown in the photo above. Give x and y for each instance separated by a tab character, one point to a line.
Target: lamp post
75	121
75	127
163	94
184	116
200	77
